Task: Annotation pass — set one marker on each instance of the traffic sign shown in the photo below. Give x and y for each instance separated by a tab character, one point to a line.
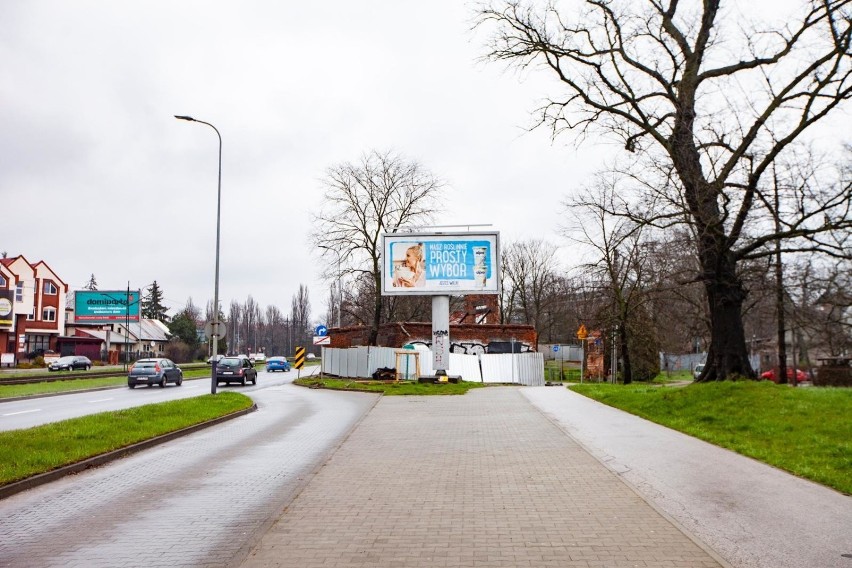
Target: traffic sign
300	358
555	348
322	340
321	330
216	329
582	333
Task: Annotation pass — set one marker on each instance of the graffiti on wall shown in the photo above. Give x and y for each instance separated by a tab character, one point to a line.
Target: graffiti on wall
479	348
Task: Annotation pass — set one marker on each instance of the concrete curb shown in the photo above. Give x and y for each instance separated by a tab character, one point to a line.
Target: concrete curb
42	478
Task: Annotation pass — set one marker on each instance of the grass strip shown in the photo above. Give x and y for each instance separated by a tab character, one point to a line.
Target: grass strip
32	389
805	431
24	453
402	388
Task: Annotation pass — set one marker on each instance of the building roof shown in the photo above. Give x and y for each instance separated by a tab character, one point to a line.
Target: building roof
154	330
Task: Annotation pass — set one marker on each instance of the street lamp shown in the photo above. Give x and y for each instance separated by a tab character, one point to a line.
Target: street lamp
216	323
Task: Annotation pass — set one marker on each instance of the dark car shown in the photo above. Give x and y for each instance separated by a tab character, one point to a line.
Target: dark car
277	364
154	372
771	375
235	370
70	363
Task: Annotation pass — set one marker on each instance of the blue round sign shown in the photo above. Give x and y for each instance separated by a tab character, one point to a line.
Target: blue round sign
555	348
321	331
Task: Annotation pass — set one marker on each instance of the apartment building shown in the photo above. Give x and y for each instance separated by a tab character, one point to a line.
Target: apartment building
32	307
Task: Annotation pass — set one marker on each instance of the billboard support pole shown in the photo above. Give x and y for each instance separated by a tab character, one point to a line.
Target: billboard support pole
441	335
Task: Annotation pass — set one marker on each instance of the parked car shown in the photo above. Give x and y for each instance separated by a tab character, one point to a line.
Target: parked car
771	375
697	371
257	357
277	364
154	372
237	369
71	363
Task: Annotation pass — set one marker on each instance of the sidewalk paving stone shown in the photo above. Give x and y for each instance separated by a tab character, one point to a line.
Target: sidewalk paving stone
477	480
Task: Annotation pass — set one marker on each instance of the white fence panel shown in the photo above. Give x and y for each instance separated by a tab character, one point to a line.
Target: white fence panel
426	367
466	366
361	362
351	363
515	368
380	357
531	369
497	368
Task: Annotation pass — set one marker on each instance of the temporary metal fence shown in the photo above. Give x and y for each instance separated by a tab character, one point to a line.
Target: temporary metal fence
362	362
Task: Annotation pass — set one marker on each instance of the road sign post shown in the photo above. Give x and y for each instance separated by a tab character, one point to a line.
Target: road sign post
582	334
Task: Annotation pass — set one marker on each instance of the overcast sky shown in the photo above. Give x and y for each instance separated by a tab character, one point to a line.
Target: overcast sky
97	177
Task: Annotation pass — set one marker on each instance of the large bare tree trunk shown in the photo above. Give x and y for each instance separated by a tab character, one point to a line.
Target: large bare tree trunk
727	354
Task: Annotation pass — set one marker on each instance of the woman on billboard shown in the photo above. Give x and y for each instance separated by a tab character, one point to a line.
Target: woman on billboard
411	271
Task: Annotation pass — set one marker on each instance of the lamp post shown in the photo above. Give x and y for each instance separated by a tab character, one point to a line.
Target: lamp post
216	323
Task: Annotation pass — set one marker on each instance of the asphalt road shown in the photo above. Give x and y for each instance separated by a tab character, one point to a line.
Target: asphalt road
202	500
41	410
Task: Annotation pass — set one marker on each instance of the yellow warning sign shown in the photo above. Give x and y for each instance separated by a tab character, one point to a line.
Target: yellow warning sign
582	333
300	358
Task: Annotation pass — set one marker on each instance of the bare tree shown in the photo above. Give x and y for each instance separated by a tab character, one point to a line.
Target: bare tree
235	315
300	315
713	106
383	192
250	321
530	270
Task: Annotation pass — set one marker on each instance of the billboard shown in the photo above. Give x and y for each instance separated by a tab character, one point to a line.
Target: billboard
7	298
96	306
440	263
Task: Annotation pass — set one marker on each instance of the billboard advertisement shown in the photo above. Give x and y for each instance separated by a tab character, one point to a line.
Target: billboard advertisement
440	263
96	306
7	298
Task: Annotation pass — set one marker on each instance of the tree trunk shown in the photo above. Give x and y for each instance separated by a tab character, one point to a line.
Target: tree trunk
727	354
377	304
625	352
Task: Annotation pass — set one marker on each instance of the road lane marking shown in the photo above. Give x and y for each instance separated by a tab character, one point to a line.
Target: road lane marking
23	412
100	400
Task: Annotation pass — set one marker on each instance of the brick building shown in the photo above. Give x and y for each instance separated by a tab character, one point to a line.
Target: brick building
32	307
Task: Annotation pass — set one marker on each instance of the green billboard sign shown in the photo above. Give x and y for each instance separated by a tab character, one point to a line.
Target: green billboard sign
97	306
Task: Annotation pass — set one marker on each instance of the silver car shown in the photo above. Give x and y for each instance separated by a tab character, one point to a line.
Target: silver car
154	372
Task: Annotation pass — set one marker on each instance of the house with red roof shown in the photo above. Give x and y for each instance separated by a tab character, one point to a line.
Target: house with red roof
32	308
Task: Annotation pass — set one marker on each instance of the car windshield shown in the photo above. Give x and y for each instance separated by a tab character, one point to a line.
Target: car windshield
227	362
145	364
275	359
66	360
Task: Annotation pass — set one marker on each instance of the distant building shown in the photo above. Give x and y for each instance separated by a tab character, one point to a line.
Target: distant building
32	308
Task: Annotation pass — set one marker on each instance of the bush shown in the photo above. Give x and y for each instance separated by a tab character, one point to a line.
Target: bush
178	351
39	362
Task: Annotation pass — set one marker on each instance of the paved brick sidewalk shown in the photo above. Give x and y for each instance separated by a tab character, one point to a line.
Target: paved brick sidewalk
477	480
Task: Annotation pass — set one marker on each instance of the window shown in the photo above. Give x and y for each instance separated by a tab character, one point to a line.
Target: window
31	315
49	288
2	281
19	292
48	314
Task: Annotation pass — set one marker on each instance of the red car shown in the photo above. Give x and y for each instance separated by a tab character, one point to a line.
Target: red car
800	375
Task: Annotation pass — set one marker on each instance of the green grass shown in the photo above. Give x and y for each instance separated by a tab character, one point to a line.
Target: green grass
806	431
24	453
402	388
33	389
553	369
